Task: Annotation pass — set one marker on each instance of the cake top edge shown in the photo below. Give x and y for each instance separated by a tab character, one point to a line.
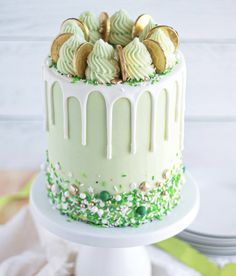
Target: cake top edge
112	50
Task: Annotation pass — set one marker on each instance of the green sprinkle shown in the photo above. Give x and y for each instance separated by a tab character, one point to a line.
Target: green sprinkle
153	177
75	79
123	175
105	196
141	210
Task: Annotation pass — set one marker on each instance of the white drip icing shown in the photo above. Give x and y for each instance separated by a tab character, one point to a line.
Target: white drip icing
46	105
182	109
111	94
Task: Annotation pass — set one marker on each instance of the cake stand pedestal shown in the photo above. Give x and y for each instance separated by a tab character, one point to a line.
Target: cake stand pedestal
113	251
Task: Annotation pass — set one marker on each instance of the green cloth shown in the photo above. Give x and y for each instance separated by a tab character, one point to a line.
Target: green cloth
22	194
182	251
189	256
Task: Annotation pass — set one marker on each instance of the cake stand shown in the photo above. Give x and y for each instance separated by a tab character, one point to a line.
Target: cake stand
113	251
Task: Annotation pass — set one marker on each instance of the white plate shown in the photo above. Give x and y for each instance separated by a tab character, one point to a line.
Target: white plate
207	240
217	215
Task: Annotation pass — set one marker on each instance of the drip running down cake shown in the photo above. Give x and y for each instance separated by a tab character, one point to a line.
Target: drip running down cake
114	97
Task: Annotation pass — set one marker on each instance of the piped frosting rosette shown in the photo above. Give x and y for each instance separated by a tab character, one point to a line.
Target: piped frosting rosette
136	50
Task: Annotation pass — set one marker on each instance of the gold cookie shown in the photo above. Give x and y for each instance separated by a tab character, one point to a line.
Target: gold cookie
56	45
169	31
122	62
82	26
104	26
140	23
157	54
80	59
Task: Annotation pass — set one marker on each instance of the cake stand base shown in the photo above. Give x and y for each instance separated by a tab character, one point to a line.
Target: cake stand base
113	251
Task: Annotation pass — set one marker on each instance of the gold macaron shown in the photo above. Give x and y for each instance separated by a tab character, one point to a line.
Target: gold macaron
80	58
56	45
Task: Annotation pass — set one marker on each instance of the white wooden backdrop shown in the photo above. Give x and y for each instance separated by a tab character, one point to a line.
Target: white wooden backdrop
208	35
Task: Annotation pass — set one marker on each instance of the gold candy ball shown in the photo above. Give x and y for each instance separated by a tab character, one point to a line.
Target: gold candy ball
166	174
144	186
73	189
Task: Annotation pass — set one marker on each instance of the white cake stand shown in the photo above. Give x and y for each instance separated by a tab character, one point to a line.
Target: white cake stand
113	251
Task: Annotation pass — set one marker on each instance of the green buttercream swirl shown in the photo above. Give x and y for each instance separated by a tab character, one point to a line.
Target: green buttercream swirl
121	28
92	22
138	61
66	54
102	67
151	24
168	47
71	27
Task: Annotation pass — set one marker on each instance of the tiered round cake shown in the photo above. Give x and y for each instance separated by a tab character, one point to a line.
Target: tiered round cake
114	96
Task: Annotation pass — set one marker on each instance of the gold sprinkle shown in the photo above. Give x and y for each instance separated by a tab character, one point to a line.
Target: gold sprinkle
73	189
144	186
166	174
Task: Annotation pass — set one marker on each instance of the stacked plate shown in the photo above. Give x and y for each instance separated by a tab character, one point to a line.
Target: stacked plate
214	230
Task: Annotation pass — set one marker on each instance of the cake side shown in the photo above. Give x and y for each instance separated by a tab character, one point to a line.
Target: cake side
115	139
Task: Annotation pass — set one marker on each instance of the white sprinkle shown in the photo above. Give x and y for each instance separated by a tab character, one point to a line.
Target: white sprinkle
81	184
115	188
90	189
118	198
70	174
66	194
55	189
64	206
100	212
133	185
57	167
132	220
98	175
130	198
43	167
102	204
104	221
94	209
63	199
82	195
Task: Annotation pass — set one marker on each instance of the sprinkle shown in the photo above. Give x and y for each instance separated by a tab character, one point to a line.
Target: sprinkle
118	198
57	166
98	175
100	212
43	167
82	195
115	188
55	189
70	175
94	209
90	189
123	175
133	185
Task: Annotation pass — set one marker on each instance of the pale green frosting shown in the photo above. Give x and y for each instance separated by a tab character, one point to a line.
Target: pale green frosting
102	66
168	47
92	22
164	41
121	28
71	27
66	54
151	24
138	61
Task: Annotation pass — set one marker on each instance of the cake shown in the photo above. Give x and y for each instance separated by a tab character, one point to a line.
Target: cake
114	118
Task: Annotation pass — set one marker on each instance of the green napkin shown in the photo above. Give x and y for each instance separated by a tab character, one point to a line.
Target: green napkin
22	194
189	256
